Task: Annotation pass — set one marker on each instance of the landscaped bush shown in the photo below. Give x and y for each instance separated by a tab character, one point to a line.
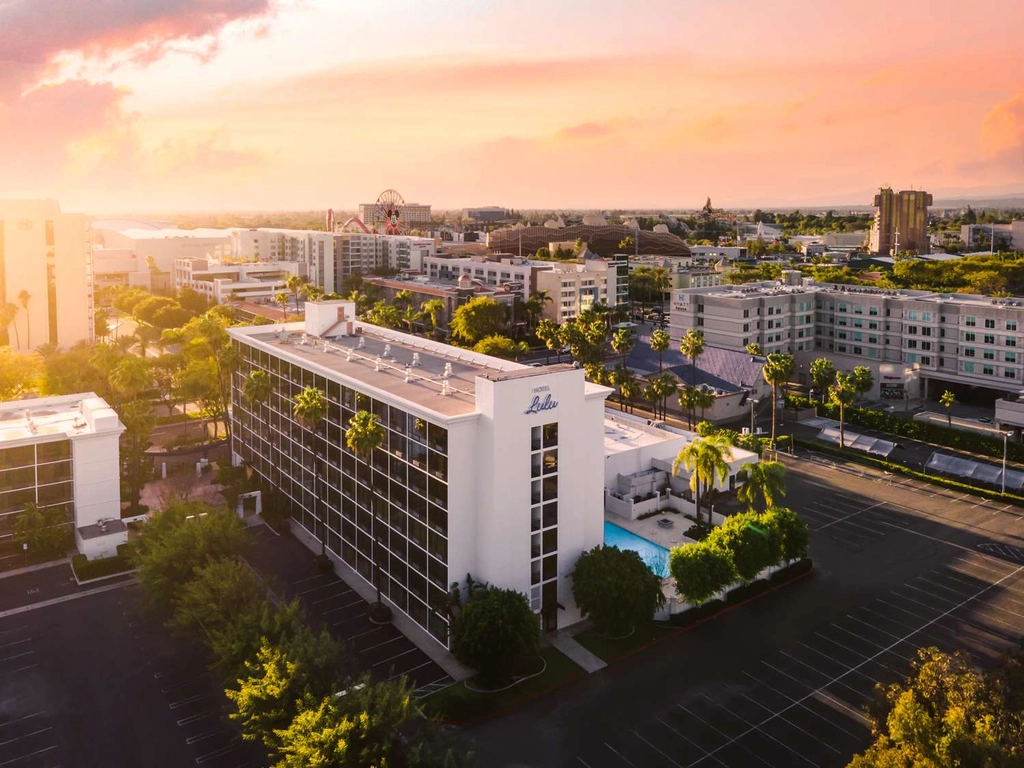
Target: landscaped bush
616	589
753	545
701	571
86	569
790	531
495	633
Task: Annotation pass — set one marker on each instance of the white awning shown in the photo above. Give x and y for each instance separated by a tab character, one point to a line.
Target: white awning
968	469
874	446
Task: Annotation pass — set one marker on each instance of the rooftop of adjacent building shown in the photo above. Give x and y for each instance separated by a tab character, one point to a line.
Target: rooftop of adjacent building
624	432
428	374
43	418
724	370
424	284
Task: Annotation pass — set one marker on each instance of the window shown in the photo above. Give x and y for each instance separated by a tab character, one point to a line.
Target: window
912	315
1010	357
911	344
858	351
926	360
970	322
1011	325
1009	373
968	367
911	358
988	354
1010	342
968	352
969	337
926	345
990	339
912	330
988	370
990	323
746	313
873	311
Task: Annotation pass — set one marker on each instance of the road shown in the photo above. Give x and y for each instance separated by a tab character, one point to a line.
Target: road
782	681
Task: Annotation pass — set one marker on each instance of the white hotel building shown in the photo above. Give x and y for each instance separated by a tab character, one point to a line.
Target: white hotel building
489	467
64	451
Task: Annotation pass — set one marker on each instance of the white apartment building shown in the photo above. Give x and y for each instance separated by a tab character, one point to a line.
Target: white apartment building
64	451
163	244
576	287
45	269
412	213
909	338
245	281
681	269
717	252
508	270
487	466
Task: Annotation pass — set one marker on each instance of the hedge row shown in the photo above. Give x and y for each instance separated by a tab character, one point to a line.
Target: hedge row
86	569
900	469
925	431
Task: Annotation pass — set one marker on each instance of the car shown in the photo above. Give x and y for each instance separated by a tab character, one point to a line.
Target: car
984	420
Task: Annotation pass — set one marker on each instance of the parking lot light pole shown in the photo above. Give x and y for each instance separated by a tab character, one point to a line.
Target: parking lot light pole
1005	435
753	402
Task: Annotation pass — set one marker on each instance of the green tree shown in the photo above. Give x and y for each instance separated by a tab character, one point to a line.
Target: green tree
433	308
945	715
765	485
213	598
754	349
622	341
700	571
295	284
192	301
8	318
19	373
688	403
24	297
477	319
948	399
705	459
131	377
664	387
790	530
692	346
501	346
309	410
547	332
281	297
621	377
364	436
385	315
616	589
778	368
205	338
862	379
704	399
629	390
44	529
138	422
660	342
495	633
823	375
842	394
753	545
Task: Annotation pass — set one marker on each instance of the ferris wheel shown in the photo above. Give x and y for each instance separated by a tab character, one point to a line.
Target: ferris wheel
389	212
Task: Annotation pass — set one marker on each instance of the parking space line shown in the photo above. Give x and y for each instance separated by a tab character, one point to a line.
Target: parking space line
722	734
869	642
19	669
396	656
13	629
901	624
189	700
688	740
842	664
17	656
904	639
350	619
858	653
216	753
204	736
364	634
25	757
308	578
953	575
323	586
938	585
823	674
765	733
421	666
343	607
20	719
584	761
17	642
802	684
799	702
200	716
853	514
649	744
333	597
183	684
624	759
380	645
26	736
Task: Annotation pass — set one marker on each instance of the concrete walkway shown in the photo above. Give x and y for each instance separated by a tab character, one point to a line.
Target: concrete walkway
567	644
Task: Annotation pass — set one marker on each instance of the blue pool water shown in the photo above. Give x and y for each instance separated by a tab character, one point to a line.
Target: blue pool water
655	555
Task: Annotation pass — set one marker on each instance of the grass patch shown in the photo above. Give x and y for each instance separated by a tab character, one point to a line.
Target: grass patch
86	569
458	704
610	650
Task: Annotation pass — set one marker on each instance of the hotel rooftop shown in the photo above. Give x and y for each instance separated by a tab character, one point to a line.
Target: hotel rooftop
42	418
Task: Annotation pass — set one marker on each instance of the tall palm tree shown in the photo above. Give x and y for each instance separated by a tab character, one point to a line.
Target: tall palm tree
433	309
630	389
665	386
363	436
131	377
692	346
823	375
705	398
547	331
403	298
282	299
622	341
24	297
617	376
705	459
765	485
309	410
778	368
294	283
842	395
688	402
8	314
660	342
947	400
257	389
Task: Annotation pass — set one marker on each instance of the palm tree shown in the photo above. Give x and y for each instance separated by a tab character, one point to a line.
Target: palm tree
661	282
778	367
146	335
294	283
630	389
660	342
617	376
947	400
841	394
257	388
410	317
282	299
24	297
403	298
548	332
688	403
692	346
622	341
823	375
363	436
704	458
765	485
131	377
704	399
309	410
432	309
664	387
754	349
8	314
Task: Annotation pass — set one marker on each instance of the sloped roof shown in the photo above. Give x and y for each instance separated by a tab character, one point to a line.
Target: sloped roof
723	369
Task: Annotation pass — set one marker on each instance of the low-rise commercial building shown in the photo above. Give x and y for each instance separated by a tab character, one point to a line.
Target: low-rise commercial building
453	294
412	213
501	270
244	281
486	214
63	451
576	287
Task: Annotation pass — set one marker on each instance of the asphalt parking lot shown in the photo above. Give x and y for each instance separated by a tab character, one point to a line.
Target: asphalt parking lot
783	680
329	602
89	683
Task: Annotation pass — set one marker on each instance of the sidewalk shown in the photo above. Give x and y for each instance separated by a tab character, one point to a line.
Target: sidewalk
567	644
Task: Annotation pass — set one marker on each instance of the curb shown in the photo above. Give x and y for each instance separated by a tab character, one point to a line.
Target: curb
34	568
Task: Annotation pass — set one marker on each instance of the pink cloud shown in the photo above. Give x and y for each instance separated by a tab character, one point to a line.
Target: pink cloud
585	131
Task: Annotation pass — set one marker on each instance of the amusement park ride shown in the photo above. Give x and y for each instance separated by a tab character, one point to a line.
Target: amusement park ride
389	213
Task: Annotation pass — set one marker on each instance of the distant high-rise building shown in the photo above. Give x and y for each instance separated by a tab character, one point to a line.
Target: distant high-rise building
901	222
330	220
45	270
412	213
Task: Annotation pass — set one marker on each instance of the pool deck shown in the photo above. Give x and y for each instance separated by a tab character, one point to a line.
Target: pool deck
649	529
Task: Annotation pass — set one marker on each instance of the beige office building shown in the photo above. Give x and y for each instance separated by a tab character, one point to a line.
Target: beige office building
901	222
45	255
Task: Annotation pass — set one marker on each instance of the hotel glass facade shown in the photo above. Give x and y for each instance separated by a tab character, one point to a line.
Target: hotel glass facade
386	519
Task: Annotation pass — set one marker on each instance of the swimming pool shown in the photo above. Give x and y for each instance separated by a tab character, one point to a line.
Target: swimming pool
655	555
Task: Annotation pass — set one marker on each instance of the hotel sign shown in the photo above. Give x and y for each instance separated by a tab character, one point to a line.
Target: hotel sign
542	401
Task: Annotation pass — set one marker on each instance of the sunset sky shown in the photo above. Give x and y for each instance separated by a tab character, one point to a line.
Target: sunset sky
294	104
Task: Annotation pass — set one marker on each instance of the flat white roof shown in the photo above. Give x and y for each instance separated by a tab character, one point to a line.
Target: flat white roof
44	418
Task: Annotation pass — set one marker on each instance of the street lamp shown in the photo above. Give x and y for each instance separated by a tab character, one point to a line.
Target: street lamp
753	402
1005	436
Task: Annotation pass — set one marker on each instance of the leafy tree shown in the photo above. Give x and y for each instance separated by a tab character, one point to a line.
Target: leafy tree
842	394
823	375
8	317
19	373
765	485
501	346
131	377
477	319
790	530
946	715
700	571
688	402
24	297
622	341
215	595
205	338
616	589
281	297
173	544
138	421
660	342
862	379
778	369
692	346
754	349
753	545
495	633
547	331
947	400
192	301
385	315
704	399
43	529
433	308
704	458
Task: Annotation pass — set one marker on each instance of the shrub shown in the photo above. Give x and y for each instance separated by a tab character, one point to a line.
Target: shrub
616	589
790	530
495	633
701	571
87	570
752	545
